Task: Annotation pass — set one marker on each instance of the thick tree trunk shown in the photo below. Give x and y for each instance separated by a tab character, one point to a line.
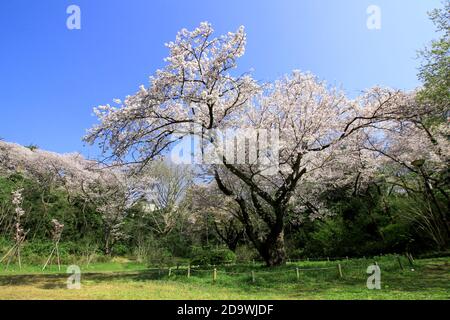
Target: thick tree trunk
272	250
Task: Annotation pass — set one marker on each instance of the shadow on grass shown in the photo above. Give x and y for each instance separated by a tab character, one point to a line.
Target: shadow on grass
427	277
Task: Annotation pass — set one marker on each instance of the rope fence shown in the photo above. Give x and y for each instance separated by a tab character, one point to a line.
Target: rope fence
215	272
340	268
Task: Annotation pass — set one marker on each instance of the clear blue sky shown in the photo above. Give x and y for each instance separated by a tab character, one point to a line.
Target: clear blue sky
52	77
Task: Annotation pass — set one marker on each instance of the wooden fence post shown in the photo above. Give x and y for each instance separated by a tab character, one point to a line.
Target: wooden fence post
253	276
189	271
340	270
410	260
170	272
400	262
298	274
214	275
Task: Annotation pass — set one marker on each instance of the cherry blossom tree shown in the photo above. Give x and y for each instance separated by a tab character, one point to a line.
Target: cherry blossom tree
110	190
19	231
417	152
56	237
198	92
208	203
165	195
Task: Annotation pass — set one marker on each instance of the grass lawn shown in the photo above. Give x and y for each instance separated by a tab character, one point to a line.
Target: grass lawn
430	279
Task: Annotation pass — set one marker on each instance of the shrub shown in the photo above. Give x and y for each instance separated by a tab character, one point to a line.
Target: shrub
246	254
120	249
209	256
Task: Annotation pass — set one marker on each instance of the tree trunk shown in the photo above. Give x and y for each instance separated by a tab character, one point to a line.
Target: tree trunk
232	242
107	249
108	245
429	193
272	250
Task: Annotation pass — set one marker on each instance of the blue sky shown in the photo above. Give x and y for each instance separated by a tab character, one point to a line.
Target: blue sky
52	77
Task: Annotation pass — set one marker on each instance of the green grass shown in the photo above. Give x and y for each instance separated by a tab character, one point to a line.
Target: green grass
129	280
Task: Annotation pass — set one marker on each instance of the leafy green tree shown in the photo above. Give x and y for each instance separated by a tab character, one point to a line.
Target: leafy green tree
435	70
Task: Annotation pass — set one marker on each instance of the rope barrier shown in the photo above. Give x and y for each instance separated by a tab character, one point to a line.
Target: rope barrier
260	272
166	272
